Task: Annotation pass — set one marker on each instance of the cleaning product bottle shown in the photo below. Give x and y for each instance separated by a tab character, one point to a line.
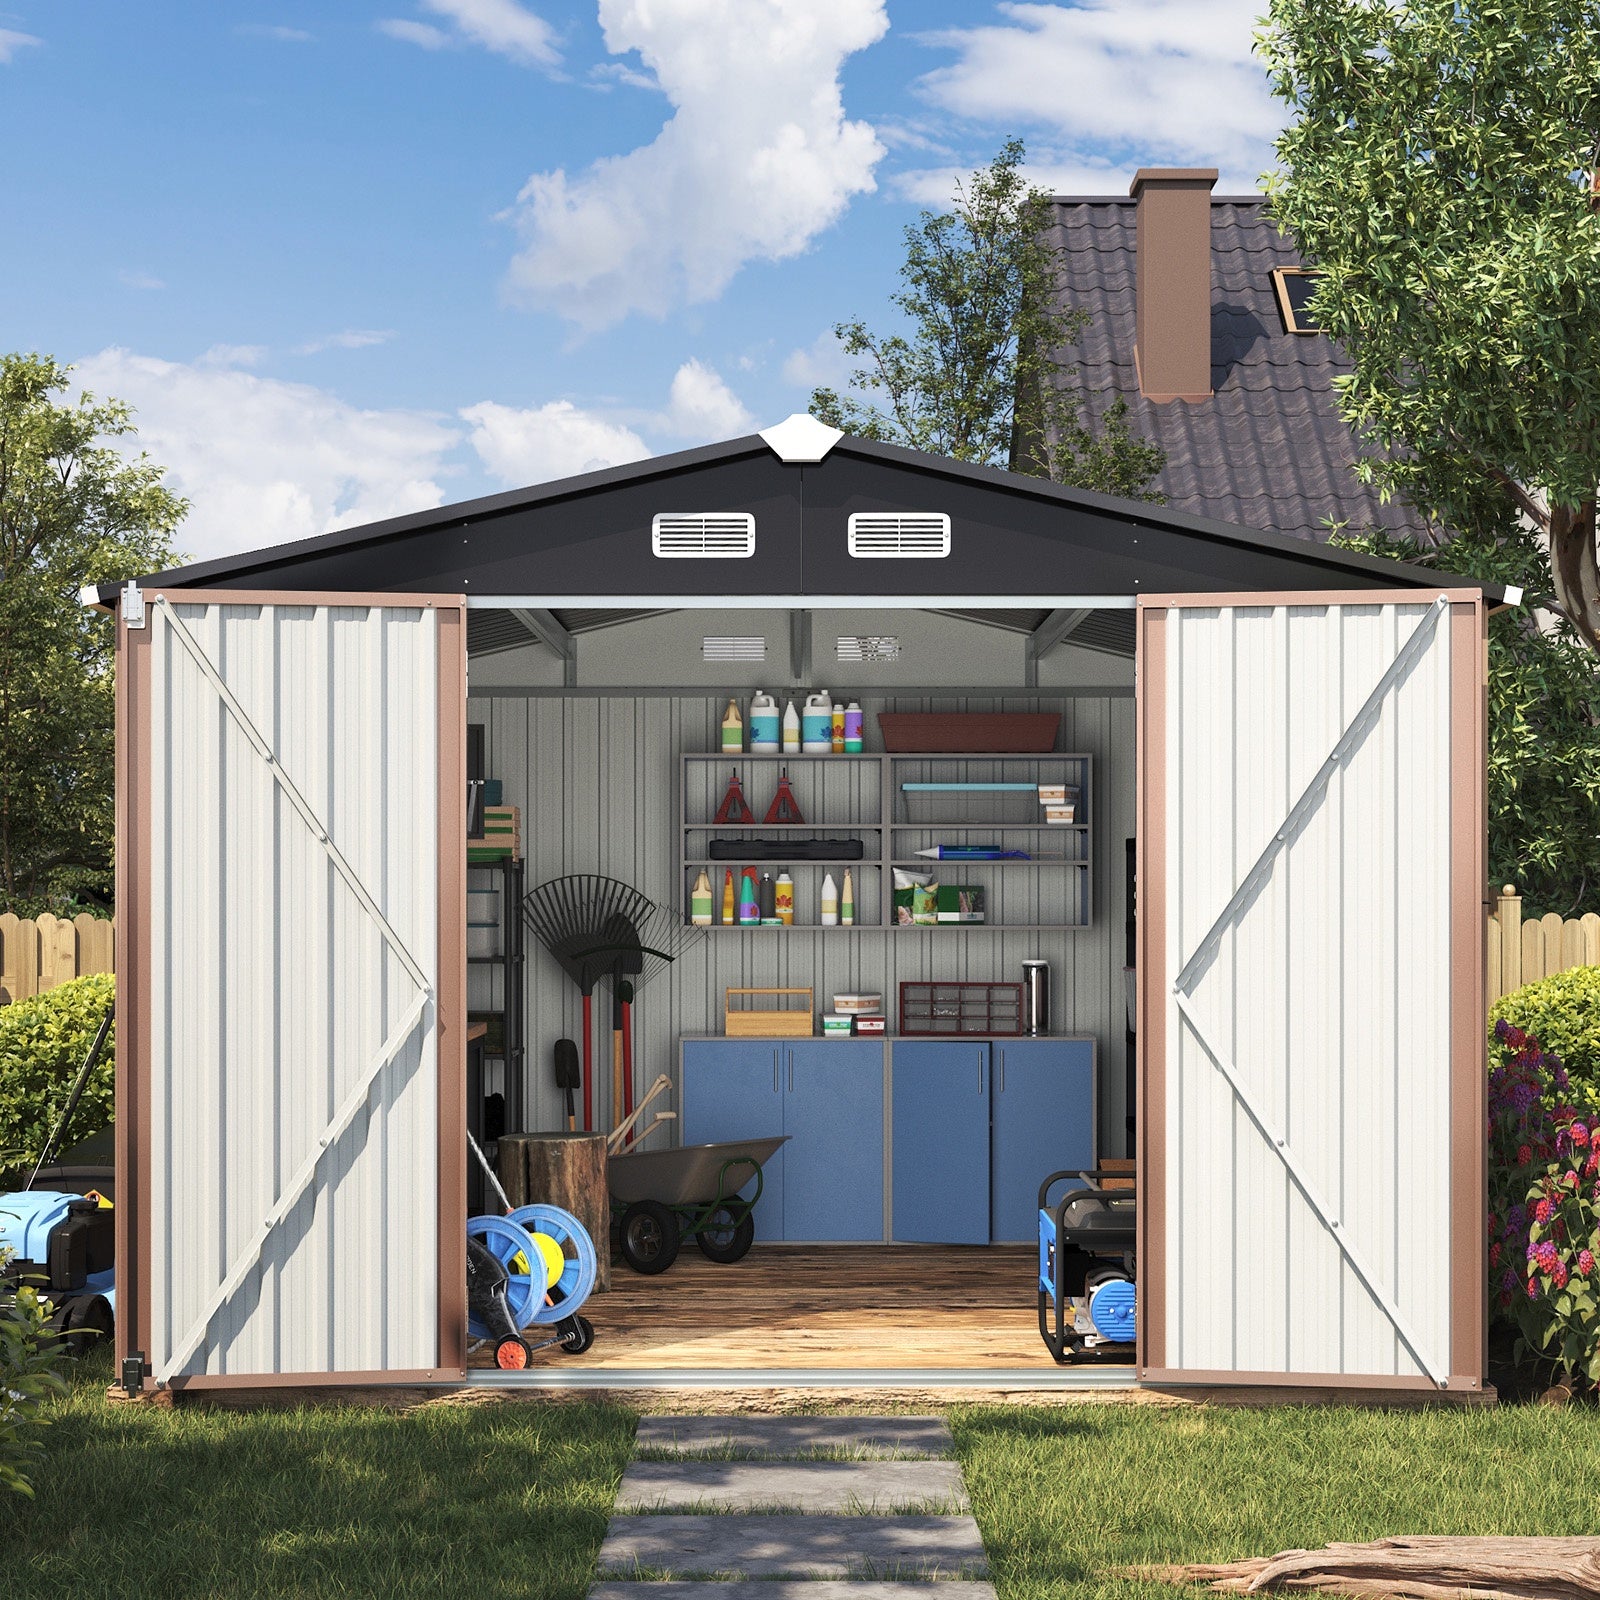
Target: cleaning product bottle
764	724
700	901
732	729
768	900
791	731
816	724
783	898
852	728
829	915
836	728
749	897
847	901
727	896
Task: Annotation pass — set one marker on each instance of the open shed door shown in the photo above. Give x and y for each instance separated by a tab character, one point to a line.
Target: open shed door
1311	881
291	920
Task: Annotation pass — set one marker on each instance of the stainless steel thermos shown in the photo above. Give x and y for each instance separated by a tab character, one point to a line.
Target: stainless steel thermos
1036	995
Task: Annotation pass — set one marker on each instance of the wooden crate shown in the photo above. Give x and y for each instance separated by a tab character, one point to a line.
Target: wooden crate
502	836
777	1023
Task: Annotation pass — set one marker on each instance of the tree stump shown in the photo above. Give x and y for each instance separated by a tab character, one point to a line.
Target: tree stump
566	1170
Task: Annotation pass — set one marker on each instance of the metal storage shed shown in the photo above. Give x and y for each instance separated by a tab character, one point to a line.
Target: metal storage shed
1310	823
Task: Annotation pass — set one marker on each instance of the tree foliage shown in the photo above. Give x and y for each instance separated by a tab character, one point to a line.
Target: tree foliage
1438	172
981	376
73	511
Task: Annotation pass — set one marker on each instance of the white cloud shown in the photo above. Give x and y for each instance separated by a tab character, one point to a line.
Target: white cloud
533	445
273	30
349	339
11	42
820	364
1157	82
701	406
233	355
141	280
409	32
502	26
757	159
264	461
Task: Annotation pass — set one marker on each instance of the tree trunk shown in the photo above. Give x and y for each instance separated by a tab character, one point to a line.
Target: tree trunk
1423	1568
566	1170
1574	568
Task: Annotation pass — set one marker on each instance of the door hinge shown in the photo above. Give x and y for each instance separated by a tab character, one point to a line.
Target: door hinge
135	1369
132	605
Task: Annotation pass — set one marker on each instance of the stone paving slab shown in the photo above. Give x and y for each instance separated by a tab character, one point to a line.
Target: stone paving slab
859	1487
795	1547
778	1589
780	1437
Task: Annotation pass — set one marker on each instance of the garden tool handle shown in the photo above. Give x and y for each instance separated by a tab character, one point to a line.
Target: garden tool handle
663	1082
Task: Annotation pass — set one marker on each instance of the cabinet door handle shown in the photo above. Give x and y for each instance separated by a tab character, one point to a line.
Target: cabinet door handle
981	1055
791	1072
1000	1088
774	1069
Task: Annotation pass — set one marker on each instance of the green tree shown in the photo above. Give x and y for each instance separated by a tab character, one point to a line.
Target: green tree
73	511
981	376
1437	172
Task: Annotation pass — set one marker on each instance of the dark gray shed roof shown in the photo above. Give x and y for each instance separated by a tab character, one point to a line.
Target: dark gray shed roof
1268	450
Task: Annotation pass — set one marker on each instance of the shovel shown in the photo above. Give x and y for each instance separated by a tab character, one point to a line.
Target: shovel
567	1076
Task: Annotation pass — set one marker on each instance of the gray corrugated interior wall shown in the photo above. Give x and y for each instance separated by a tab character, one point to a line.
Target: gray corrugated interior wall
596	778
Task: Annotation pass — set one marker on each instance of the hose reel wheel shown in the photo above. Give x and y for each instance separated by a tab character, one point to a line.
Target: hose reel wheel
559	1237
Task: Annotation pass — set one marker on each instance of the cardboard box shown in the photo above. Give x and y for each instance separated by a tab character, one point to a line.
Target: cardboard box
870	1025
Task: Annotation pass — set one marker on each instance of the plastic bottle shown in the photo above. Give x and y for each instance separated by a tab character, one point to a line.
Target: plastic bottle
816	724
749	897
700	901
768	899
852	728
836	727
732	729
783	898
791	731
847	901
829	914
727	896
764	725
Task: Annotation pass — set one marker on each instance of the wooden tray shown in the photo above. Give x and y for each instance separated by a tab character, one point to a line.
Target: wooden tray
790	1023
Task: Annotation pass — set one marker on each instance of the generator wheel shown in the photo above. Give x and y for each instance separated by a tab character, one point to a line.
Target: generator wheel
650	1237
725	1241
577	1335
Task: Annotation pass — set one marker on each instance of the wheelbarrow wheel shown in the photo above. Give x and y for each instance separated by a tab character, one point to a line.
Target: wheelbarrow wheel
577	1334
725	1241
650	1236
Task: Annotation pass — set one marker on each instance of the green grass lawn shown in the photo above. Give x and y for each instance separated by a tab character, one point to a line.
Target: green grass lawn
1064	1496
511	1499
489	1501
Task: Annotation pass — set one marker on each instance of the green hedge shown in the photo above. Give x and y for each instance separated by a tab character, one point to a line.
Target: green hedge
43	1043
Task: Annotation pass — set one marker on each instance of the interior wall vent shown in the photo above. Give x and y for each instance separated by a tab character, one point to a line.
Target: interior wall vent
707	535
909	535
732	647
869	647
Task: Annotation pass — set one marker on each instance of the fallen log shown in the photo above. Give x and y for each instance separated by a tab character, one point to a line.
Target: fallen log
1427	1567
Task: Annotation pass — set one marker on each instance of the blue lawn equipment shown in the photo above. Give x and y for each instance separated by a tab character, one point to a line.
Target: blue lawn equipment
1087	1242
60	1242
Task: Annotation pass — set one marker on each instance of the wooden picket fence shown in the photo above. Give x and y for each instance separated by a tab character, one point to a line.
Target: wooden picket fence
38	953
1521	952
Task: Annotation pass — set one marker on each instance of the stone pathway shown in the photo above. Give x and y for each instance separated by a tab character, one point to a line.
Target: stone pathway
844	1508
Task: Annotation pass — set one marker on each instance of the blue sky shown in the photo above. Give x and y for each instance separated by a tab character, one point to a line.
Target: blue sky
349	259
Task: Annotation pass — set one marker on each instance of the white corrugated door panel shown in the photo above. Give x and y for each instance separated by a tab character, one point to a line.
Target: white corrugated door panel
1305	836
294	1070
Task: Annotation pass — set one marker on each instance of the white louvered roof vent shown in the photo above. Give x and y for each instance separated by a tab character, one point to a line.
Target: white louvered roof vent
704	535
732	647
907	535
869	647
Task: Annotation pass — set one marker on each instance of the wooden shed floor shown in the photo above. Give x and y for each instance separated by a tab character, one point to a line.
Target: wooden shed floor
830	1306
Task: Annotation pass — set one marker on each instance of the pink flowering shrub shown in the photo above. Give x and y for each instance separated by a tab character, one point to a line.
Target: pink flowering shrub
1544	1207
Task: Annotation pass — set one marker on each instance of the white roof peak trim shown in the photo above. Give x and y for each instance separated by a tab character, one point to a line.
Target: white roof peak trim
800	438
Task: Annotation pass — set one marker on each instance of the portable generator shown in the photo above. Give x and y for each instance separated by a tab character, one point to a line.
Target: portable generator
1087	1298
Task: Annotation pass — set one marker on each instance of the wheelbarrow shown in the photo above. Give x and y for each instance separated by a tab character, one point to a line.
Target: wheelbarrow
659	1198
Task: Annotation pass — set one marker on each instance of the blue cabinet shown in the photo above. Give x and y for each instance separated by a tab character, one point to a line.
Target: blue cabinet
941	1141
826	1183
732	1089
833	1162
1043	1120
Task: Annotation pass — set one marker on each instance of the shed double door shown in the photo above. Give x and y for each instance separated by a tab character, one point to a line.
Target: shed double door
826	1183
978	1126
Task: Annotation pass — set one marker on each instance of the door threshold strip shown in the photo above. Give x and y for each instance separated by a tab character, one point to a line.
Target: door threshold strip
570	1377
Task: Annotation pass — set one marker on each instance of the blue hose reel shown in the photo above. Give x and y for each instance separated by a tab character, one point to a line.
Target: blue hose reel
511	1240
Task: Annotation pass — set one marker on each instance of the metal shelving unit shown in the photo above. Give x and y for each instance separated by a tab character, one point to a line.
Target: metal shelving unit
511	964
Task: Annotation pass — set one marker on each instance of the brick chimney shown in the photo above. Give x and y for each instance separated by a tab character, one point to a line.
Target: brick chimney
1172	294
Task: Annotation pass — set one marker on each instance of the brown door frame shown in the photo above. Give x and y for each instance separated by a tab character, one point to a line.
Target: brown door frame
134	965
1467	620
